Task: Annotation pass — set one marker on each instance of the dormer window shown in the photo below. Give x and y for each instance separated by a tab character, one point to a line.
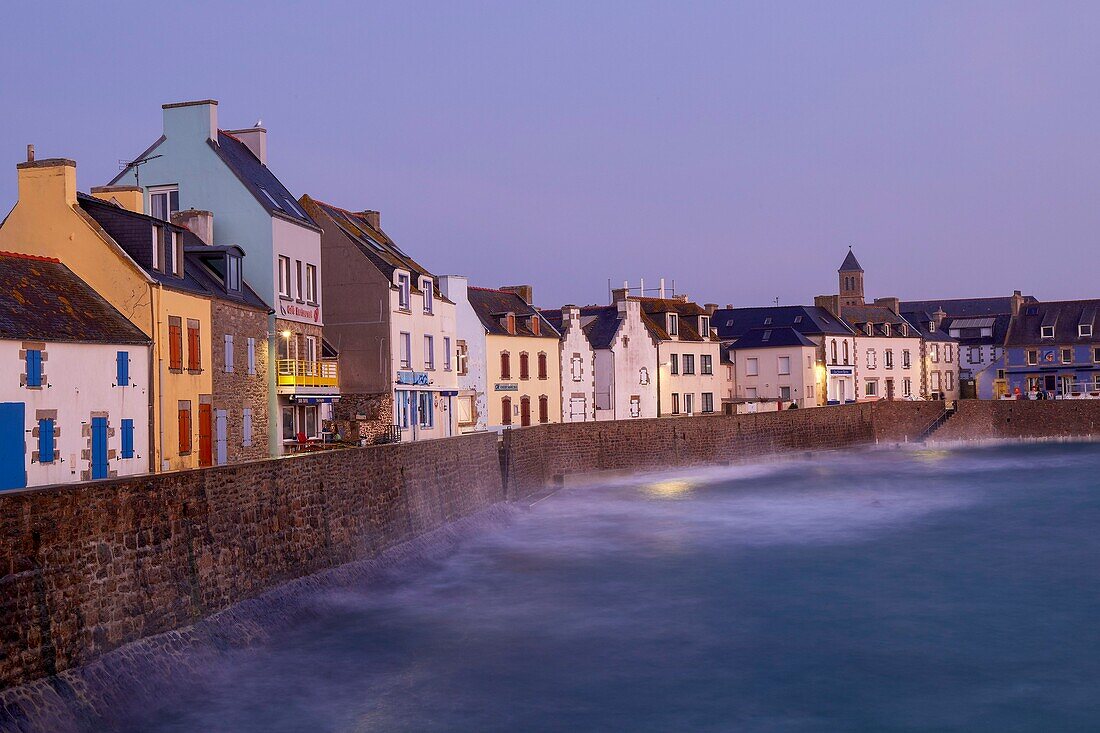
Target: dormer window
1085	329
931	326
233	273
673	324
704	326
167	254
886	329
427	286
1046	332
403	291
867	329
904	330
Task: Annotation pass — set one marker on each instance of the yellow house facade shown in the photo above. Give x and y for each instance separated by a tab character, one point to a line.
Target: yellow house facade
48	221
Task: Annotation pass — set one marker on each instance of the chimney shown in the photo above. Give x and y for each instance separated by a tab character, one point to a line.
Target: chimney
729	306
30	153
1017	302
255	138
569	314
188	120
373	218
130	198
830	303
619	294
525	292
201	223
453	287
894	304
710	308
938	316
50	180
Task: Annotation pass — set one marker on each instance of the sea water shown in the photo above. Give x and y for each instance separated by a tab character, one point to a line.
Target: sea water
885	590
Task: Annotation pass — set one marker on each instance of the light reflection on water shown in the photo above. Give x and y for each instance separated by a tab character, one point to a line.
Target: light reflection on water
947	590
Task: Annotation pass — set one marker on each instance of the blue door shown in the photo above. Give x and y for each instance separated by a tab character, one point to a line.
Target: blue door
99	447
13	446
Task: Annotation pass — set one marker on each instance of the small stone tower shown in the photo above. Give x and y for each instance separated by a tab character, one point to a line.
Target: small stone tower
851	281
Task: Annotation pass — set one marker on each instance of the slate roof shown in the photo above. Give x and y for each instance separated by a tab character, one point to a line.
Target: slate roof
42	300
373	242
132	232
920	321
259	180
812	320
965	307
850	263
600	323
653	315
490	305
877	315
762	338
1065	316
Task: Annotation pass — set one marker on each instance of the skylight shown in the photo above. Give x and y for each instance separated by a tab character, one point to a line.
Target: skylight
271	199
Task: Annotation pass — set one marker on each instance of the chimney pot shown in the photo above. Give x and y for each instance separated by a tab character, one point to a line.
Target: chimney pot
525	292
30	153
373	218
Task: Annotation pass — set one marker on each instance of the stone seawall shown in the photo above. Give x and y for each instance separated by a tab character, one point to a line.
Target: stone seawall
1012	420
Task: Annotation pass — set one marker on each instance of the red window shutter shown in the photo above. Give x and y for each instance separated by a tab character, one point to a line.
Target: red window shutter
544	410
175	347
185	431
505	411
542	366
193	360
524	368
505	366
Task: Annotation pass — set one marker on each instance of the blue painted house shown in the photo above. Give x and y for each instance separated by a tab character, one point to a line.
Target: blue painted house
195	165
1055	348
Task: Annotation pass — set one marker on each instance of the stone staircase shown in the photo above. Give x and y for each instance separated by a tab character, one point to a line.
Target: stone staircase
949	410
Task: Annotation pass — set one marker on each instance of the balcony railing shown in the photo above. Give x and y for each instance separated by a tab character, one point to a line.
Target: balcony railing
300	373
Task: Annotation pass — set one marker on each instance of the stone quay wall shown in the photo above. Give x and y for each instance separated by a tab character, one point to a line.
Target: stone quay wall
1021	419
86	569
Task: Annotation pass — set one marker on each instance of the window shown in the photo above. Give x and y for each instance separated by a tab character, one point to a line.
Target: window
974	354
505	411
298	280
906	361
1046	332
886	329
463	357
768	321
784	365
122	369
163	202
246	427
167	251
870	389
1085	329
127	437
233	272
576	367
674	363
867	328
636	405
1067	356
427	410
767	336
184	425
543	371
675	403
403	291
251	355
309	418
284	277
704	326
689	363
1032	357
810	391
673	324
706	364
194	355
872	359
707	400
907	387
46	441
935	382
406	350
905	329
429	295
935	351
1096	354
175	343
845	351
505	365
832	349
311	284
429	352
228	352
689	403
524	366
750	392
889	357
643	375
446	353
544	409
752	366
785	394
949	381
289	433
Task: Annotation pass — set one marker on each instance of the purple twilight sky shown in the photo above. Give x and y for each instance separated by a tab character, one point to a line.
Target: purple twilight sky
738	148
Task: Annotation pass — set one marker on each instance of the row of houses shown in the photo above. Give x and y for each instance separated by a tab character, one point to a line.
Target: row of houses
193	311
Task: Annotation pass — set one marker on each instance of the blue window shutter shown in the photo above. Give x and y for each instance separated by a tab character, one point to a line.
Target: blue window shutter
34	368
122	363
127	438
45	441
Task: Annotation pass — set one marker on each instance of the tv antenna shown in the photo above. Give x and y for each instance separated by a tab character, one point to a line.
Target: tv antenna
136	165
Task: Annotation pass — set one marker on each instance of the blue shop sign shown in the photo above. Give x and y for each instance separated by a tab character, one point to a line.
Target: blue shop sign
413	378
838	371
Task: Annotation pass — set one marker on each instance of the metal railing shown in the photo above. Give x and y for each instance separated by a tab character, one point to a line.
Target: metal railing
302	373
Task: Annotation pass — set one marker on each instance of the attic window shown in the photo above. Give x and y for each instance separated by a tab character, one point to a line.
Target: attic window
767	335
768	321
271	199
886	329
867	329
1031	311
233	272
294	207
1085	329
1046	332
798	319
704	326
673	324
904	329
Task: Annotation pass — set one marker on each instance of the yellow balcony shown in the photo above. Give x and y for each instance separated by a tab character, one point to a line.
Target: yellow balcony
300	373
